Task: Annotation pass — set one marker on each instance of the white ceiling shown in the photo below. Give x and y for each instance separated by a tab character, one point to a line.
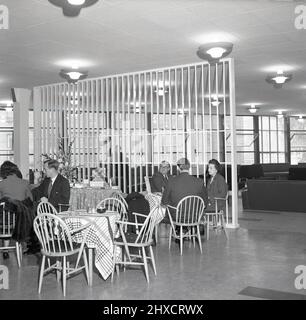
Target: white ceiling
116	36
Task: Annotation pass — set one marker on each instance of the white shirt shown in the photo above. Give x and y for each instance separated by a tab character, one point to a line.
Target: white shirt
53	179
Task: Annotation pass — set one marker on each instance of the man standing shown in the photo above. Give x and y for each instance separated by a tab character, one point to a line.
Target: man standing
160	178
182	186
55	188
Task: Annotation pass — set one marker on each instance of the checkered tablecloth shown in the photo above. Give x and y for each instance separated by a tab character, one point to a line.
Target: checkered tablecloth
155	201
100	237
88	198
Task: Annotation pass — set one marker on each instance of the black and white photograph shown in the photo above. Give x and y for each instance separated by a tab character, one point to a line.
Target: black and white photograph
152	150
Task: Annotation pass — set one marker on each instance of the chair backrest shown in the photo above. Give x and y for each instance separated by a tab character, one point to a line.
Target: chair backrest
146	232
190	210
118	195
148	185
154	200
114	204
46	207
7	222
53	234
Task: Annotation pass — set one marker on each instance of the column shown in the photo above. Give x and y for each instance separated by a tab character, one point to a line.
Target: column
234	223
21	129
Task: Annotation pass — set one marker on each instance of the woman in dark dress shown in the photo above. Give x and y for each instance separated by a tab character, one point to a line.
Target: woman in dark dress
216	187
14	193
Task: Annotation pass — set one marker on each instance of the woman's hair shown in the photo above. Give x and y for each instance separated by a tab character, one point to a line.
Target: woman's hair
216	163
9	168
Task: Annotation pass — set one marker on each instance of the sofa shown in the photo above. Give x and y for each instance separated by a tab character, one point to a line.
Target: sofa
275	195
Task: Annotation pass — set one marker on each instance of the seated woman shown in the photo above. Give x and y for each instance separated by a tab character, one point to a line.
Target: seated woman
98	174
16	194
216	187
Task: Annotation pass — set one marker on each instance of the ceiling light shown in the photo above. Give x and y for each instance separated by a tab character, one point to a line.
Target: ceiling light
280	114
279	79
216	52
300	119
253	109
76	2
73	76
212	52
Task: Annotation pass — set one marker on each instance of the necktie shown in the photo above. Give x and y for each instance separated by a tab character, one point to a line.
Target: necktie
49	188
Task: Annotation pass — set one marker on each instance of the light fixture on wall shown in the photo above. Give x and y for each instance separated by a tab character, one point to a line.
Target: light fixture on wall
301	119
279	79
72	8
253	108
161	87
215	101
213	52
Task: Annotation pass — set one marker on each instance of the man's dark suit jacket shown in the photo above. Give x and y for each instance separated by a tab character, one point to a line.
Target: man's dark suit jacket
60	193
158	182
182	186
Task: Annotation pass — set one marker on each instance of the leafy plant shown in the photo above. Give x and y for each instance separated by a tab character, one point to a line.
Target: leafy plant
64	157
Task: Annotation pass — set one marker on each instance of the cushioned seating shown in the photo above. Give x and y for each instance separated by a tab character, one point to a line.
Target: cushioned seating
275	195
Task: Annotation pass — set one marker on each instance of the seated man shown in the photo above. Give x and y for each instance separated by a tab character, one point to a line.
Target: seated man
55	188
160	178
182	186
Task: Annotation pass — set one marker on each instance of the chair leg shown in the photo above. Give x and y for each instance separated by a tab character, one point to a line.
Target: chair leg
223	226
58	272
64	275
193	235
41	273
199	238
18	254
86	266
181	240
145	263
114	263
156	233
153	260
170	237
207	227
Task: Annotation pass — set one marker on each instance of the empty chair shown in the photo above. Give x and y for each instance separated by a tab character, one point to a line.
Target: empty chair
46	207
56	242
134	245
7	226
215	219
113	204
188	216
118	195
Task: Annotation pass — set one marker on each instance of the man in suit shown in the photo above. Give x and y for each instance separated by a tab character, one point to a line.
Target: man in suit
182	186
160	178
54	188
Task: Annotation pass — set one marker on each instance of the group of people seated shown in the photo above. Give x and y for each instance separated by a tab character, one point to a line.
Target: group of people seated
17	194
174	189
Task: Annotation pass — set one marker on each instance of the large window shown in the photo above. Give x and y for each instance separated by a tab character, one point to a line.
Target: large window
271	139
297	140
6	135
245	140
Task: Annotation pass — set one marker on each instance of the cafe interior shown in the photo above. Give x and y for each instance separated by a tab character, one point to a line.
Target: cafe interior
114	88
